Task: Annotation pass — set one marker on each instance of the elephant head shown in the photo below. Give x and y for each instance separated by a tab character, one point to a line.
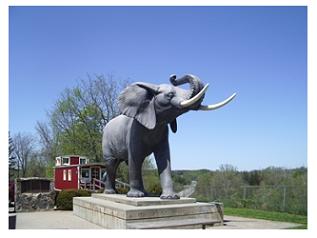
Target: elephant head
153	105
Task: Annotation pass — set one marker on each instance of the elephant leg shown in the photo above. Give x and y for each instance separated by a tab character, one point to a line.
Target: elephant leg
135	178
162	158
111	168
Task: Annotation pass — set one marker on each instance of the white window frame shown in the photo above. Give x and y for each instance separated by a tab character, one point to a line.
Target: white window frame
82	159
69	173
68	163
58	161
64	174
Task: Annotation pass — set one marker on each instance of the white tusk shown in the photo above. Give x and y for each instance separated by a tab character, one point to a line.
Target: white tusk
215	106
194	99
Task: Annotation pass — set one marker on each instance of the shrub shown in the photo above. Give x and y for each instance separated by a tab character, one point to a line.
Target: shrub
83	193
154	189
122	190
152	183
64	199
201	198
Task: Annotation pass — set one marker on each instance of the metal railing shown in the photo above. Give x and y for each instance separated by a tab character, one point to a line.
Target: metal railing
99	184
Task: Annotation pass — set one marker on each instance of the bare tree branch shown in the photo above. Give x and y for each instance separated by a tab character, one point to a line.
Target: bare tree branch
24	147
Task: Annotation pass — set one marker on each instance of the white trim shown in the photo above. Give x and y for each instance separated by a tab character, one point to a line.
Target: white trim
58	161
64	174
82	158
69	174
78	177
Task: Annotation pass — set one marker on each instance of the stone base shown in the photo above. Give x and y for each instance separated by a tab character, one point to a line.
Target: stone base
114	211
28	202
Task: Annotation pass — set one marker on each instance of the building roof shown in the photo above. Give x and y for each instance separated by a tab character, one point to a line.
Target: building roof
92	164
81	165
82	156
34	178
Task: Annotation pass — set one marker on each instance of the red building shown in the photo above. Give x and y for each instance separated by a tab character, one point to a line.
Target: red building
74	172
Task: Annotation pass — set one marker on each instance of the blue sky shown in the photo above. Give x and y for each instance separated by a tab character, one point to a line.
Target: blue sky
258	52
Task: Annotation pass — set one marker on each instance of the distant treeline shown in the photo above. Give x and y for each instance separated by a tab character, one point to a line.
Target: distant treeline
273	188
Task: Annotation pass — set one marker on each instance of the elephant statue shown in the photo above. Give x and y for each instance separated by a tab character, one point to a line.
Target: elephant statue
142	128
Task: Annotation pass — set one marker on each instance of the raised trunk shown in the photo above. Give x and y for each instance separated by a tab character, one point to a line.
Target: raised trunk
195	83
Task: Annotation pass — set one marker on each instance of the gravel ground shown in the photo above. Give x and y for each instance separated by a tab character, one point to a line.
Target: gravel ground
66	220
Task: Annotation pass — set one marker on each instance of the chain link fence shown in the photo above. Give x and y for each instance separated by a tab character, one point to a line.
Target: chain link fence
282	198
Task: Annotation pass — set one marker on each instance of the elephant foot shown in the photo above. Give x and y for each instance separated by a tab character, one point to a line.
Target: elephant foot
135	193
109	191
169	196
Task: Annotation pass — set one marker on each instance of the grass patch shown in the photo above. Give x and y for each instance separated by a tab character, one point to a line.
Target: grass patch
268	215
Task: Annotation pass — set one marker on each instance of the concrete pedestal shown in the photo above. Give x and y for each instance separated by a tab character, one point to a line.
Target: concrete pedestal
114	211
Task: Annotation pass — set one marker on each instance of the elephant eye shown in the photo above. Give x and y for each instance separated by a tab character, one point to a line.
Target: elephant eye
170	95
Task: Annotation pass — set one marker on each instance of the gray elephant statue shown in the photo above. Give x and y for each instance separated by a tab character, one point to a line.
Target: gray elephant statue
142	128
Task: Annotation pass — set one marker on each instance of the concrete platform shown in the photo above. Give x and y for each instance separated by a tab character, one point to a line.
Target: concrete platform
114	211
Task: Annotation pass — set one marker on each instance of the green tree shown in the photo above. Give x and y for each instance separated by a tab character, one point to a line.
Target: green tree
296	194
275	176
204	191
253	177
226	185
78	117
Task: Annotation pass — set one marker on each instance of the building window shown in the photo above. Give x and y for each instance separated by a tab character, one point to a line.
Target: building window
64	174
66	160
69	175
82	161
85	173
58	161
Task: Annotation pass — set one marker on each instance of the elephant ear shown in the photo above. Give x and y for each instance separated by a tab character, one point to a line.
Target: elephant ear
137	101
173	125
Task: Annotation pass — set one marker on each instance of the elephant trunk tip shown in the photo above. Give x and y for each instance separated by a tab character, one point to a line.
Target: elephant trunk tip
196	85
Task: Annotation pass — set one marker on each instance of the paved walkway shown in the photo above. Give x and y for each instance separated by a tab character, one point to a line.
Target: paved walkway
52	220
66	220
233	222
